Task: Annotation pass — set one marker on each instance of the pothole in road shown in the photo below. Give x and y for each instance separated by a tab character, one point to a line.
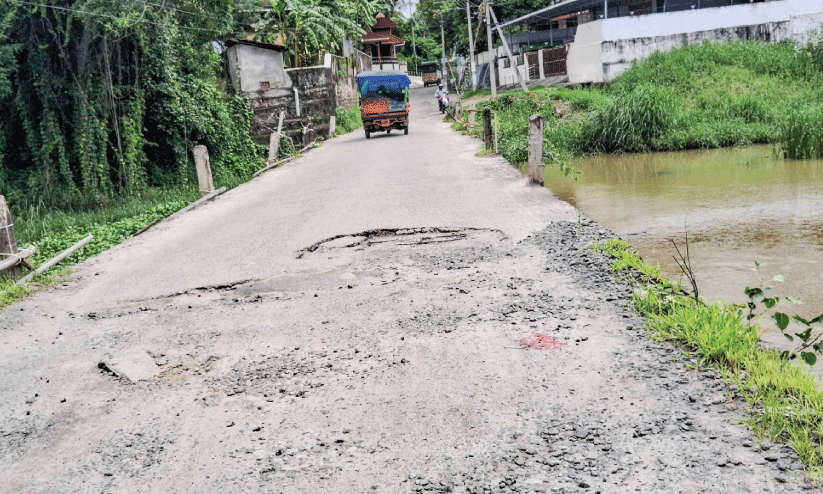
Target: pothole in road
393	236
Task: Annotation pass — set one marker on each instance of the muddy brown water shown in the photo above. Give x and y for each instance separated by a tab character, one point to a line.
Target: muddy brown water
739	205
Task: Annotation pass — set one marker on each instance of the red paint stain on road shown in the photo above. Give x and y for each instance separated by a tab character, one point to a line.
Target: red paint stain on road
541	342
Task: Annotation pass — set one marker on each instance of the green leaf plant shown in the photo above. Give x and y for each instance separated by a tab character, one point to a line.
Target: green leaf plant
808	337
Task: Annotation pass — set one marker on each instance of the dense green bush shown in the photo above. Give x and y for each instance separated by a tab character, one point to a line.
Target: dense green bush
93	110
347	120
513	112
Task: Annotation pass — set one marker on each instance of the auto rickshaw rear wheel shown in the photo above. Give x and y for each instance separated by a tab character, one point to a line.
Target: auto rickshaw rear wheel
406	130
368	134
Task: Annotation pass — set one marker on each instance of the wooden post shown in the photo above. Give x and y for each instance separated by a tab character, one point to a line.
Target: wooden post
487	127
8	244
536	148
201	161
274	147
332	125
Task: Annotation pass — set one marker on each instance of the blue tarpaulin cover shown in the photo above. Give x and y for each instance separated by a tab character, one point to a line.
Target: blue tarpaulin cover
389	84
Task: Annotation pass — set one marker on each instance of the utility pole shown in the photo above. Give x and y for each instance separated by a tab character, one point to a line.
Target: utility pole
509	53
443	71
471	47
492	52
414	46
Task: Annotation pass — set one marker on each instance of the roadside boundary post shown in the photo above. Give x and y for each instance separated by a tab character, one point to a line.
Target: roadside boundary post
274	147
487	127
536	167
201	161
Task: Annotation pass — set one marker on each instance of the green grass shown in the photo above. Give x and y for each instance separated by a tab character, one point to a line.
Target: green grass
803	132
785	402
347	120
110	222
701	96
11	292
477	92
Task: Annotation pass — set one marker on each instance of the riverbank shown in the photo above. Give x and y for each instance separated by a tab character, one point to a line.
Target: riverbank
703	96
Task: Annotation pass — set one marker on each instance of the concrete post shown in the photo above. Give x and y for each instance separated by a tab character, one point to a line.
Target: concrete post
536	148
8	244
274	147
332	125
472	119
540	62
487	127
201	161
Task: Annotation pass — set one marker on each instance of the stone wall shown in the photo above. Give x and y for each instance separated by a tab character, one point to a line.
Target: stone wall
308	99
343	71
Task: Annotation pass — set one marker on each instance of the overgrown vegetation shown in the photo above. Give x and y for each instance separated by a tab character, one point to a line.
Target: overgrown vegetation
347	120
102	103
785	401
802	133
702	96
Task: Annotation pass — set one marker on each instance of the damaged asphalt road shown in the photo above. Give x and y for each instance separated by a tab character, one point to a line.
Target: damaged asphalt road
313	332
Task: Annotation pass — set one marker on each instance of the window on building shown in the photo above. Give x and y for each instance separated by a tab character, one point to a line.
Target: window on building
507	63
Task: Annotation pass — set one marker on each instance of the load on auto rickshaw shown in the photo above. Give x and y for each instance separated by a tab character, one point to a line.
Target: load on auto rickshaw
384	100
430	72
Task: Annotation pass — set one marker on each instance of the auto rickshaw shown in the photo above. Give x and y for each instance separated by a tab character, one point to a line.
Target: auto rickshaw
384	101
430	72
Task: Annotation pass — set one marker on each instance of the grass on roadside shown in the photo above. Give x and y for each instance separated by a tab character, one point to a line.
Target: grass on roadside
347	120
52	231
700	96
785	402
11	292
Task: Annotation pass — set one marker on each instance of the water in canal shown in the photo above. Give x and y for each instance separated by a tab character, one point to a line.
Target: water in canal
739	205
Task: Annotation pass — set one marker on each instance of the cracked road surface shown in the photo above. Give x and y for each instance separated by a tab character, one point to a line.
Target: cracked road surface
350	323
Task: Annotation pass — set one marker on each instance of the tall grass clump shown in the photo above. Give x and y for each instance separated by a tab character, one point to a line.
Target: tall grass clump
802	133
632	122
